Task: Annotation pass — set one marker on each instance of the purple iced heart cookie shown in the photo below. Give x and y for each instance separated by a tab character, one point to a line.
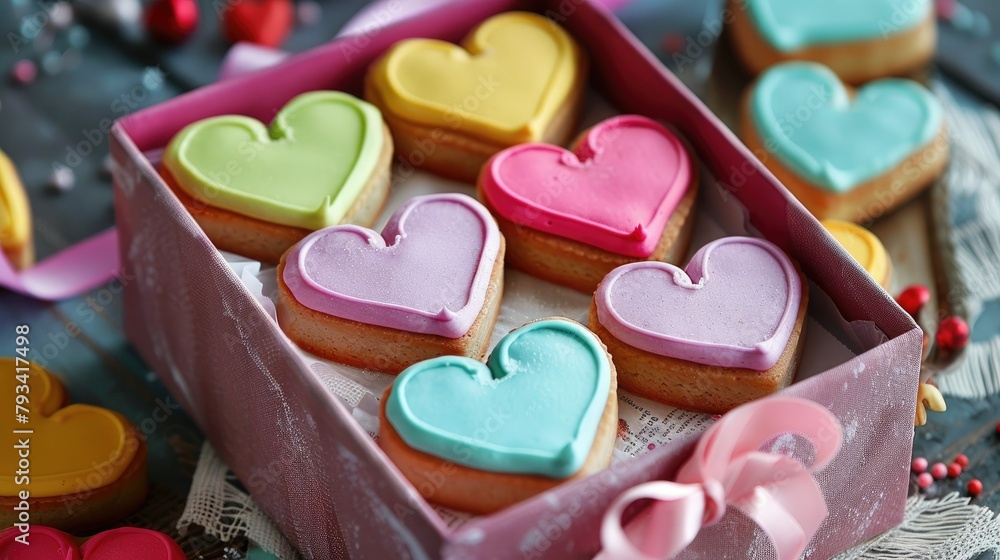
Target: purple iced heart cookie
734	306
427	272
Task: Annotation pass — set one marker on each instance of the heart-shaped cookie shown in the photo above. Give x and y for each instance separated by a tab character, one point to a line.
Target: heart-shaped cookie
79	448
790	25
807	118
305	171
46	543
615	191
534	408
427	272
735	304
506	83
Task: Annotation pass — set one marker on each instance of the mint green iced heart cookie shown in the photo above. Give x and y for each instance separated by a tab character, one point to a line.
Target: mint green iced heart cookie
533	409
305	171
805	116
790	25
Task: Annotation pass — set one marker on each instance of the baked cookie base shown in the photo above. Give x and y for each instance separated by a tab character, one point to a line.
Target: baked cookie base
267	241
581	266
482	492
90	509
700	387
866	202
899	54
381	348
444	150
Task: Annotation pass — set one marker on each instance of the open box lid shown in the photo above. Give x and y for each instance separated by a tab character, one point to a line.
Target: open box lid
362	500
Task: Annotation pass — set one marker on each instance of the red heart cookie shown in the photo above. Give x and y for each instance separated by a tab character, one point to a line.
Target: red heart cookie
46	543
615	191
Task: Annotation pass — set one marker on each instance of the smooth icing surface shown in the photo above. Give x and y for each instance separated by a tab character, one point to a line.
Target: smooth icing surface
15	216
131	543
44	543
733	306
615	192
74	449
790	25
124	543
533	408
863	246
428	271
506	83
305	171
816	129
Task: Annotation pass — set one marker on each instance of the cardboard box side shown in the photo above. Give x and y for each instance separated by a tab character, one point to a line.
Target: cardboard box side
299	452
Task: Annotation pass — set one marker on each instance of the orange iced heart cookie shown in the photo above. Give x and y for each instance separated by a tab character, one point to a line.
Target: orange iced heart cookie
516	78
71	467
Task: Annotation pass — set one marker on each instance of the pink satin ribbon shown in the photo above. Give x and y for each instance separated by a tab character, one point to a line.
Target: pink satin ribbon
727	468
70	272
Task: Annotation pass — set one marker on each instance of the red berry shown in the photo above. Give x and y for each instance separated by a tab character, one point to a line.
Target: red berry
919	465
954	470
925	480
952	334
914	298
939	471
975	487
962	459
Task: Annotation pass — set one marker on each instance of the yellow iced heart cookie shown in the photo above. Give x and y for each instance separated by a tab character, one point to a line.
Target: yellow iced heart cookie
505	84
15	216
864	247
79	448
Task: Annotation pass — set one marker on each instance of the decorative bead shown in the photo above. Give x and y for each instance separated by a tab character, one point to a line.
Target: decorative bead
61	15
62	178
954	470
975	487
945	9
309	12
171	21
925	480
939	471
962	459
919	465
78	36
952	334
52	62
914	298
24	72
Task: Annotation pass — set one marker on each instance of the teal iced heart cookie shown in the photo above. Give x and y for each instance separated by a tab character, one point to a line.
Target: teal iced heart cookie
534	408
806	117
790	25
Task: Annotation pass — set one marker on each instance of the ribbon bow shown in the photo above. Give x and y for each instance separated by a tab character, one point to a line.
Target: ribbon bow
777	492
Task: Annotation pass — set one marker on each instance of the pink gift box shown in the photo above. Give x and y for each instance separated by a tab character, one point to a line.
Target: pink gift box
322	478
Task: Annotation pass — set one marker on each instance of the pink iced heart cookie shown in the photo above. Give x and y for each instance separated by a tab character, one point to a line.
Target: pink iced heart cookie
46	543
427	272
735	305
615	191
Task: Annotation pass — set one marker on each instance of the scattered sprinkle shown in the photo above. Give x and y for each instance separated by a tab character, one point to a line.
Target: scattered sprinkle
939	471
925	480
24	72
954	470
62	178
